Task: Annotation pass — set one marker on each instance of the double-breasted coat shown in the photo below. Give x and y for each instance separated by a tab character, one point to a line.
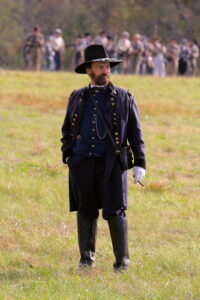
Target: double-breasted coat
122	117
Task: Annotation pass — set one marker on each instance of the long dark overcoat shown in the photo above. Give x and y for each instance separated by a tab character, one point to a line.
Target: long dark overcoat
125	123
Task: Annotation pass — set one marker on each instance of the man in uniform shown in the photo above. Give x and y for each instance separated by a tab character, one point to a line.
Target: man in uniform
158	58
183	65
58	46
138	51
96	179
172	55
101	39
124	49
34	49
194	55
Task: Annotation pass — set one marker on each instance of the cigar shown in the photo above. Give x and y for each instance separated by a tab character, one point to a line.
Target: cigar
140	183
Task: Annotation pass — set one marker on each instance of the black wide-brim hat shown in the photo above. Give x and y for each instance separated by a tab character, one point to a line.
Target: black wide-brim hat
95	53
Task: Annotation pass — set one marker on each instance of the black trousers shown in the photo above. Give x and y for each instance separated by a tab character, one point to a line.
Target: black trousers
86	178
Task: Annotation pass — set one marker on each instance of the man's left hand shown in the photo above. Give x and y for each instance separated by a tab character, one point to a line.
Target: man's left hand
138	174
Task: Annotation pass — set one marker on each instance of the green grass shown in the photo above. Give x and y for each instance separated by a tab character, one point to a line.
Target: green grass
38	239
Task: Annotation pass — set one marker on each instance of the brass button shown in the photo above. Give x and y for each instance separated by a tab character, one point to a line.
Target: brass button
80	99
93	137
113	104
114	114
116	133
72	123
114	119
76	115
116	138
117	142
115	123
112	99
93	146
93	122
74	119
93	129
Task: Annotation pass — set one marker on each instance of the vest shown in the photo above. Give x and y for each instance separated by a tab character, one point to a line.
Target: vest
92	137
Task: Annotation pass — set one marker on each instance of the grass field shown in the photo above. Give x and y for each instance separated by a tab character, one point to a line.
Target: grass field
38	240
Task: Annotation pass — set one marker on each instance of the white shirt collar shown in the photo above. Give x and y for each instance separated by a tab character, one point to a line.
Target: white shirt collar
97	86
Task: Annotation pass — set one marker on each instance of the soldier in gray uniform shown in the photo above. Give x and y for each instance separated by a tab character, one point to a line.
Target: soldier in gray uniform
124	50
79	50
184	62
194	55
34	45
138	51
147	66
158	58
172	56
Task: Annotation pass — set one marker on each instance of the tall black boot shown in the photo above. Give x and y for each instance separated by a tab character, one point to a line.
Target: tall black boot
119	235
87	229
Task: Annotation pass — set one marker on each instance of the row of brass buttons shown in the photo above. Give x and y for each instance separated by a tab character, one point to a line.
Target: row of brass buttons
116	133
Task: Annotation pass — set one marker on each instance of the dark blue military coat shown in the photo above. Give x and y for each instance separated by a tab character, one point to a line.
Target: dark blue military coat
122	117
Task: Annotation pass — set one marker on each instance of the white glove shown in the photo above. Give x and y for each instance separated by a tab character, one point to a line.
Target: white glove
66	159
138	173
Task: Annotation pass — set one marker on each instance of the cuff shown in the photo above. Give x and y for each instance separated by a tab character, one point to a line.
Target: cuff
140	163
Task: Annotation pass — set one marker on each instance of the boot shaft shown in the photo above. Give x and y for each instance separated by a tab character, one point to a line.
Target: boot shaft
119	235
87	230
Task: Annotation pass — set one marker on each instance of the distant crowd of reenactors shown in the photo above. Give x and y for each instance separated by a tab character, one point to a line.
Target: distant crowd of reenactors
36	50
140	54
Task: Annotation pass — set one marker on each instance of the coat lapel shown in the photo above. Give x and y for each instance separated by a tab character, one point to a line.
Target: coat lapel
79	110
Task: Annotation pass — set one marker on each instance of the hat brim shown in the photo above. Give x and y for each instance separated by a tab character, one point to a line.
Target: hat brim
81	69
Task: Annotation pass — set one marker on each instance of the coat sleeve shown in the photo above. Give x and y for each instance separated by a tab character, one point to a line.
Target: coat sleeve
134	134
67	134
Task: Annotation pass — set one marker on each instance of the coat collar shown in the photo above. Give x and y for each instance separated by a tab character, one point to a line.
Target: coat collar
113	91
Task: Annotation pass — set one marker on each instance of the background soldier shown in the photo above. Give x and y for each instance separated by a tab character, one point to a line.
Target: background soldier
87	40
194	54
110	47
34	49
147	65
158	58
138	51
172	56
123	50
49	55
79	50
58	46
101	38
184	57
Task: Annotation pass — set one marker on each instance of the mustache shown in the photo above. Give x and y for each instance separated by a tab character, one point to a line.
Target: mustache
103	75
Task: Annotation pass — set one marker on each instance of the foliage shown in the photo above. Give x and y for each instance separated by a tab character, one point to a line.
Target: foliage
172	17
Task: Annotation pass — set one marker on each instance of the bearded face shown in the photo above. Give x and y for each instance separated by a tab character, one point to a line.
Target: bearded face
99	73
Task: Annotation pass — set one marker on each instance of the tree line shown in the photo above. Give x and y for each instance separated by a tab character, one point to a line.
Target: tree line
164	19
